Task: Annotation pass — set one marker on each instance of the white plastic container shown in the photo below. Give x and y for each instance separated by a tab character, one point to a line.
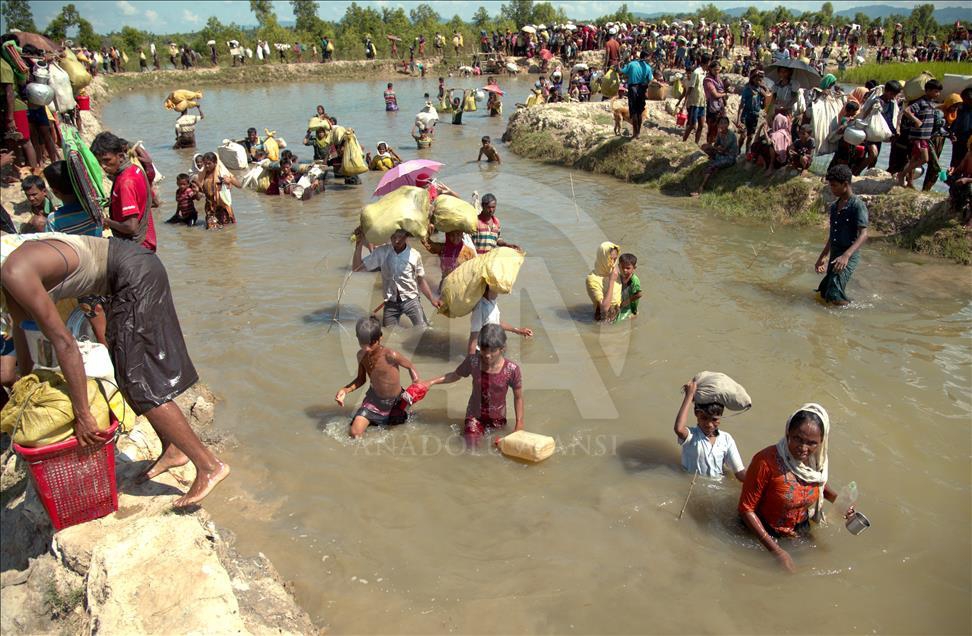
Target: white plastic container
233	155
527	446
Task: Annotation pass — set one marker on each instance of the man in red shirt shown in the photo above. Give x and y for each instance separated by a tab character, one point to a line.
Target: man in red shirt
612	51
130	214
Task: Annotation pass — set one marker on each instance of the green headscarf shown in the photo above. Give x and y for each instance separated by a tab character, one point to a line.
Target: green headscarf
828	81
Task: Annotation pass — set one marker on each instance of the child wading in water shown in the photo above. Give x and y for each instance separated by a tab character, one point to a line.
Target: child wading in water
630	287
848	231
487	150
186	194
381	365
706	449
492	377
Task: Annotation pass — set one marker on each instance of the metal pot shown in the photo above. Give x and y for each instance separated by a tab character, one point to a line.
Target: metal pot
39	94
42	74
854	136
857	523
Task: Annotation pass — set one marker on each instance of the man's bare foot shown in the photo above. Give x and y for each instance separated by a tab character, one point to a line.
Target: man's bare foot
171	457
204	484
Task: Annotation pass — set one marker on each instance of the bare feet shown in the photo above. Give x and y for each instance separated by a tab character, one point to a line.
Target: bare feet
695	194
171	457
204	484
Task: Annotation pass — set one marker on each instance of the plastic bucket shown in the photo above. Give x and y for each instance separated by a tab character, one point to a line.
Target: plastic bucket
84	102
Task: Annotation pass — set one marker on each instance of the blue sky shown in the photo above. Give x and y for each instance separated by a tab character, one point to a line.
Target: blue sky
180	15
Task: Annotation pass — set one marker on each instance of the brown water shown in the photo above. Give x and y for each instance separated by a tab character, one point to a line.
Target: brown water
405	532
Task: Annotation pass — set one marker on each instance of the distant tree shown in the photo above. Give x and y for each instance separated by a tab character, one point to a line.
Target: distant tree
826	11
131	39
395	20
519	11
263	10
546	13
923	17
481	17
305	14
711	13
861	18
424	15
67	19
18	15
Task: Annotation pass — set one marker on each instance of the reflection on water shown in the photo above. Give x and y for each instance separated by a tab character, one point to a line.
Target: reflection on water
405	531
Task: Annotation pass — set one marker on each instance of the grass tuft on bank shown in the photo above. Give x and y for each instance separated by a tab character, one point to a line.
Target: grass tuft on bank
903	71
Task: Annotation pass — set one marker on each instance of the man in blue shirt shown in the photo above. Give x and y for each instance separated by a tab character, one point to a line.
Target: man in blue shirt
639	75
750	105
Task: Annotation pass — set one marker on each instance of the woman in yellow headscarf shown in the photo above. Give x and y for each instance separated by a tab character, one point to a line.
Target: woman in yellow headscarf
603	287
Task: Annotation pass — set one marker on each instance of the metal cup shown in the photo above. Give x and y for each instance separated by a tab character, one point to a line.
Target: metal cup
857	523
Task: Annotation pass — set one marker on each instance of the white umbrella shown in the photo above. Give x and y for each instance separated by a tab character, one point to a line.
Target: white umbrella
529	29
571	27
541	27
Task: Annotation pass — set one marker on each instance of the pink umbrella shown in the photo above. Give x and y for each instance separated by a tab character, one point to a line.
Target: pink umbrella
404	174
493	88
545	54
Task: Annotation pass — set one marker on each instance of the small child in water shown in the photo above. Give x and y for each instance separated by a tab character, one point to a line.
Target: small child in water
492	376
487	150
705	449
185	195
630	287
486	312
381	365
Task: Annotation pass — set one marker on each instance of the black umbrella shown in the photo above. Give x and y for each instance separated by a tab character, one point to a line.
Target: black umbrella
804	75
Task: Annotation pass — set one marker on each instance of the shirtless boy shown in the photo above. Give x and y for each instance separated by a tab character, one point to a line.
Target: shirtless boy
381	365
487	150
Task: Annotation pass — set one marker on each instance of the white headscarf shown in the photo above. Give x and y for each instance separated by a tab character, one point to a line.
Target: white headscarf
815	470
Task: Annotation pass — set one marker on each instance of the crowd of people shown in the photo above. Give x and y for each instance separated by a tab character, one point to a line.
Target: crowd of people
61	252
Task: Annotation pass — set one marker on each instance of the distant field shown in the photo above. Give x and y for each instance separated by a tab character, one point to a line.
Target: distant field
900	71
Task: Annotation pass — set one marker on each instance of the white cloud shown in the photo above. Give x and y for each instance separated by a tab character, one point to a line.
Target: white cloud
151	16
126	7
189	16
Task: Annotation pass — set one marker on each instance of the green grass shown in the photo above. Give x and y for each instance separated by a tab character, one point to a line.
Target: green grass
903	71
61	603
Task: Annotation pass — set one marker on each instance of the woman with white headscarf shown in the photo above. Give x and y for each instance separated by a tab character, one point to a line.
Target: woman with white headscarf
786	483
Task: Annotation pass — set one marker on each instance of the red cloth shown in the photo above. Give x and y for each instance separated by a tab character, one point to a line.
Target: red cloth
488	398
129	197
412	395
23	126
613	50
779	499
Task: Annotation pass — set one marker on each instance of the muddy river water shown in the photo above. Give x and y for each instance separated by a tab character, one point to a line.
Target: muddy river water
406	532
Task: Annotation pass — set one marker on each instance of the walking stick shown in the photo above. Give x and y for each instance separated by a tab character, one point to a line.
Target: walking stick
685	505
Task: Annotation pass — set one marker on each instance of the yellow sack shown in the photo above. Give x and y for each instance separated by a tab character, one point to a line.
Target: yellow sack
181	100
337	135
597	280
76	73
271	146
502	264
124	57
319	122
915	87
452	213
381	164
678	89
407	208
263	183
610	83
352	159
469	104
330	46
40	413
463	288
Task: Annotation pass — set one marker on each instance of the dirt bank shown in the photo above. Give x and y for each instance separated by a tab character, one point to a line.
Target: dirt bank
143	569
581	135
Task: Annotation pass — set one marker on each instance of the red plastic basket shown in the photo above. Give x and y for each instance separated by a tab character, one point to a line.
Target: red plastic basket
75	483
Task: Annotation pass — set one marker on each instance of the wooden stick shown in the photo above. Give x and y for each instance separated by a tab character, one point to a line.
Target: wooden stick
573	196
337	307
685	505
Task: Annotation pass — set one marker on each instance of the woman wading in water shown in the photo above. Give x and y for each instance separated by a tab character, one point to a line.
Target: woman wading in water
152	365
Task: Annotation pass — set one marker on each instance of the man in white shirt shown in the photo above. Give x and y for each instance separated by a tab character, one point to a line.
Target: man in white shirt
402	277
185	129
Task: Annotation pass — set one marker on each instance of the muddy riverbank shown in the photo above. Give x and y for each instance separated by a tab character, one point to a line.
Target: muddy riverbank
581	136
145	568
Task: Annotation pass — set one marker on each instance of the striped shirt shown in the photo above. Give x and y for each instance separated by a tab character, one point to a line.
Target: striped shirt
924	110
71	218
486	235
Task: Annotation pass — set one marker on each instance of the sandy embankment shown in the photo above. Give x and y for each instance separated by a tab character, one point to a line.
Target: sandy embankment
581	135
143	569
